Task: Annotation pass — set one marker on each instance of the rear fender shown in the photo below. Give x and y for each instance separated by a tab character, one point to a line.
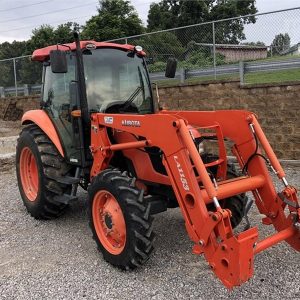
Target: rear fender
41	119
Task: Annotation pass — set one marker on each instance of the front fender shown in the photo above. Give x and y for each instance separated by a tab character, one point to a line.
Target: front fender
41	119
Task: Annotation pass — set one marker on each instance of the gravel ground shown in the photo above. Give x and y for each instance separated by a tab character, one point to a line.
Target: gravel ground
58	260
9	128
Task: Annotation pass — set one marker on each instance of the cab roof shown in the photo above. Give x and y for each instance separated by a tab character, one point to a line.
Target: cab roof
43	53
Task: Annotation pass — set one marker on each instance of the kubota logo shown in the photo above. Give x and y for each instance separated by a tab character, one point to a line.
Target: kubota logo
181	174
131	123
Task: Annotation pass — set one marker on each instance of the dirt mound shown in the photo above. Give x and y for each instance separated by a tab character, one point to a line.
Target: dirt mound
7	162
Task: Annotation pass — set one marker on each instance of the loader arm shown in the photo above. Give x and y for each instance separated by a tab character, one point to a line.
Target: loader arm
230	256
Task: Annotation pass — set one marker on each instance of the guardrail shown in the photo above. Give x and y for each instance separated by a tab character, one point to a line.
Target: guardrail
241	69
24	90
267	66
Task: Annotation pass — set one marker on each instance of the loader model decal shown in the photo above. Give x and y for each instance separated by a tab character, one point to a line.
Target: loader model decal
181	174
108	120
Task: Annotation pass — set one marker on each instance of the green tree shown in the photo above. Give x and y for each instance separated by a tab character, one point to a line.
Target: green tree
14	49
115	19
31	72
258	44
281	43
6	74
8	50
47	35
41	37
199	59
160	46
64	33
176	13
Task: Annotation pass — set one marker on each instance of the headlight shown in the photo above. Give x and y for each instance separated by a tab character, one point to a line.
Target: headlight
138	48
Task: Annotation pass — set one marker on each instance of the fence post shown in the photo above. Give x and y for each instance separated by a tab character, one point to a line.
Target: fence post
182	75
26	90
15	76
242	72
271	50
214	49
2	92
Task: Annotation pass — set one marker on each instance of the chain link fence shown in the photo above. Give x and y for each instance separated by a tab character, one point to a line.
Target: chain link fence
20	76
214	50
254	48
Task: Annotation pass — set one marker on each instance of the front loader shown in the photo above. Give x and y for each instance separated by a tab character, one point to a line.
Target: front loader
99	127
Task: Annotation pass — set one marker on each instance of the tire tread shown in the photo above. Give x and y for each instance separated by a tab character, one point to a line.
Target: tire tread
52	163
139	221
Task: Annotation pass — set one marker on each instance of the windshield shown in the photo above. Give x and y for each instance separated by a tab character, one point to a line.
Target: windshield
116	81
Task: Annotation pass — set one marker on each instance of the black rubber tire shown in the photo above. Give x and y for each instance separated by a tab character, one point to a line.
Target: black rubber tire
136	212
50	165
236	204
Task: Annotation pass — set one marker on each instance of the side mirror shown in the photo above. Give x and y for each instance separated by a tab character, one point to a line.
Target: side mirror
58	61
171	67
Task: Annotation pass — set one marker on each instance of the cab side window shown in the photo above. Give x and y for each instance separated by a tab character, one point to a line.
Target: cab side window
56	89
56	98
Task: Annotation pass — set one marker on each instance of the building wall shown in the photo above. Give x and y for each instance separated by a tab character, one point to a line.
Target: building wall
296	52
233	55
277	107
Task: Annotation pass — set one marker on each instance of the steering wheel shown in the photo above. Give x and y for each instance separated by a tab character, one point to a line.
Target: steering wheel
113	107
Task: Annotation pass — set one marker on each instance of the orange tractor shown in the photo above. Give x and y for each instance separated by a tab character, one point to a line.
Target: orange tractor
99	127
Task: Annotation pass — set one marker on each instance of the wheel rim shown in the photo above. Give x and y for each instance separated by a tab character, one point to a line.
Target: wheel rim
109	222
29	174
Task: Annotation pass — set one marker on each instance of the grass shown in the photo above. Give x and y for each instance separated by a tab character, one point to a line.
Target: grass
250	78
273	77
275	58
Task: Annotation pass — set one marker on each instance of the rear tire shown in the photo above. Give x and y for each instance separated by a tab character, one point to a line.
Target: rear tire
120	220
38	165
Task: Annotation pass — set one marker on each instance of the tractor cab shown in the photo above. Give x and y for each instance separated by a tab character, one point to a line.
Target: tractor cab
117	81
114	76
100	77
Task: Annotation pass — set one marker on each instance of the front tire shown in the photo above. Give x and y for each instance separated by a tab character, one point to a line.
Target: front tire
236	204
120	220
38	167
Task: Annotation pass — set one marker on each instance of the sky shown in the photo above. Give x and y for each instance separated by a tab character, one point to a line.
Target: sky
18	18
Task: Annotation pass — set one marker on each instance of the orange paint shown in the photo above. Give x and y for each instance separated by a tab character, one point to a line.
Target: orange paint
109	222
230	256
76	113
29	174
41	119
